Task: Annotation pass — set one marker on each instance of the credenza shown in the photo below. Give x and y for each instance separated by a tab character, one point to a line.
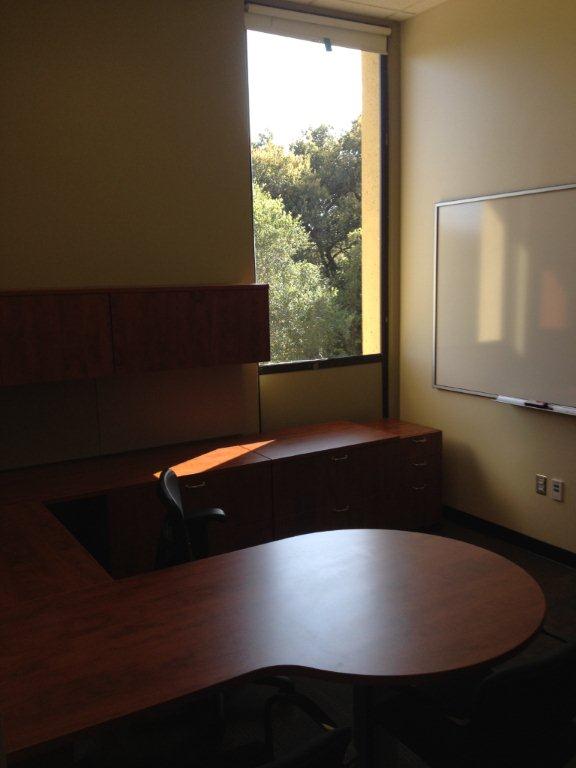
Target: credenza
382	474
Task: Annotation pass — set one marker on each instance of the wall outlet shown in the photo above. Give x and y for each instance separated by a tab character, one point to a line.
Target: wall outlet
557	489
541	482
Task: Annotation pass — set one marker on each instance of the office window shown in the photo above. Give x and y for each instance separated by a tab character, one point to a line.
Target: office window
315	125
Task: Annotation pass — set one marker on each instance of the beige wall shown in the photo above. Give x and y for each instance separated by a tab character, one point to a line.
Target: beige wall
125	161
371	204
310	397
488	105
394	218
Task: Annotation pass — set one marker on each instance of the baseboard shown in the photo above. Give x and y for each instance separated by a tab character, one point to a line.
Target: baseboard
541	548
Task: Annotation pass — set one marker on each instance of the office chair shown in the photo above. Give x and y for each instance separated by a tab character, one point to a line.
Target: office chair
521	716
326	750
184	538
184	535
111	750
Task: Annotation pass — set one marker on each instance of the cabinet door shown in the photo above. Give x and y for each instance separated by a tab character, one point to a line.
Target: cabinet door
54	337
240	325
160	330
170	329
244	495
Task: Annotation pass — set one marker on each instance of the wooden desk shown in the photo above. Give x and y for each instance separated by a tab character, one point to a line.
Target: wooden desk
362	606
342	474
39	558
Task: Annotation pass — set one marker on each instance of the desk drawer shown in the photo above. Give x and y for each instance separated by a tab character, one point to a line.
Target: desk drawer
350	515
352	475
328	481
246	498
422	503
417	448
423	469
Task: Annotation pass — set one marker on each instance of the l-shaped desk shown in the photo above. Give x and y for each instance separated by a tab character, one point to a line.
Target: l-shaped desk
79	649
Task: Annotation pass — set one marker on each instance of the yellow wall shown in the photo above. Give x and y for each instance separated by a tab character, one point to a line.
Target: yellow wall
371	204
488	105
125	161
125	157
330	394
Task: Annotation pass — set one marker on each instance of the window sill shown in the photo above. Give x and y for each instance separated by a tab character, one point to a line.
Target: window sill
314	365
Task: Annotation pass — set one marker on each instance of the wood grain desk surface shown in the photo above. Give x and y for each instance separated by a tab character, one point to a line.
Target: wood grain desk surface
332	437
358	605
40	558
101	474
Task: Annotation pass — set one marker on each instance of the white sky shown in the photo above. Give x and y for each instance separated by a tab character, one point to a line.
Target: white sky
295	85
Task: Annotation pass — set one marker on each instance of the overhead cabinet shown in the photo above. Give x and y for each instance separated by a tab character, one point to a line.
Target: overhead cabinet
156	330
54	337
57	336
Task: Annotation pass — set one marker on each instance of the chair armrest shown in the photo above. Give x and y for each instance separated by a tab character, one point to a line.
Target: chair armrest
204	515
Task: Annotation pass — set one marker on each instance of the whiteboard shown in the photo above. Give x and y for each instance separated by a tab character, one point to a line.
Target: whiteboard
505	295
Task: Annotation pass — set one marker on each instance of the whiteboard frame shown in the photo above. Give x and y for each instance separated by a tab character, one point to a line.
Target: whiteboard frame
437	207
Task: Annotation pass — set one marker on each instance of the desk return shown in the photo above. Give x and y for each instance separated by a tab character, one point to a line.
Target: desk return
382	474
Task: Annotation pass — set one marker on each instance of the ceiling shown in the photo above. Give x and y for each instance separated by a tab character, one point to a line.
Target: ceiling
397	10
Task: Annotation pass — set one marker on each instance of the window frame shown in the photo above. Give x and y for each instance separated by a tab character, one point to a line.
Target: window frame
266	369
322	362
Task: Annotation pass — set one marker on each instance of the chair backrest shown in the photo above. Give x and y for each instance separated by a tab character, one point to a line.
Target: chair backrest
174	544
527	709
169	491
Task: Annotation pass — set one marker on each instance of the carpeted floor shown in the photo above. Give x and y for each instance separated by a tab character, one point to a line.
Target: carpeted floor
164	743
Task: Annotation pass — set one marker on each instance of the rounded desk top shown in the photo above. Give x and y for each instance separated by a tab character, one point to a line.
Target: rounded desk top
360	605
386	604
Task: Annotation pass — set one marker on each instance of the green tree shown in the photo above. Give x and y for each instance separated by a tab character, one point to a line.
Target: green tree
306	319
319	181
349	287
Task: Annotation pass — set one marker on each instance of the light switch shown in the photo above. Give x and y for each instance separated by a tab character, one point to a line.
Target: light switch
557	489
541	481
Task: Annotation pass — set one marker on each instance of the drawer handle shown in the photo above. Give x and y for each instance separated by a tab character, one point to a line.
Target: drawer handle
419	439
196	485
419	487
342	509
340	458
420	464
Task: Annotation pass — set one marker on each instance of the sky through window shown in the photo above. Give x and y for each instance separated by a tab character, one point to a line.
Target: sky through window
296	84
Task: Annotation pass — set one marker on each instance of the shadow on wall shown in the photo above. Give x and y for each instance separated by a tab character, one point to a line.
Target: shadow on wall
461	467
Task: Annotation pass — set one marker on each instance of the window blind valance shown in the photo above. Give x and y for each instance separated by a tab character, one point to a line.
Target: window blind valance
318	29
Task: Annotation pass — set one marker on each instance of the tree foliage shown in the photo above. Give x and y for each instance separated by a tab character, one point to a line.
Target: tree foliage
318	180
306	321
307	214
